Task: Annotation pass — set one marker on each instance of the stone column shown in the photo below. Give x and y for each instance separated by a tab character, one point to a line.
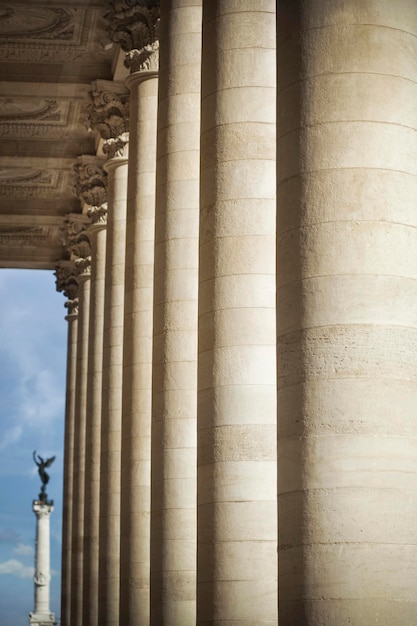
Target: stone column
237	531
110	118
79	247
42	615
347	294
97	235
174	406
136	26
66	282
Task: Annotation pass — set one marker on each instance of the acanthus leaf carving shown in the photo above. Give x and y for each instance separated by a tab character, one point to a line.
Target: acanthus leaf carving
74	227
83	263
66	278
117	147
98	214
145	59
90	180
72	305
109	109
135	27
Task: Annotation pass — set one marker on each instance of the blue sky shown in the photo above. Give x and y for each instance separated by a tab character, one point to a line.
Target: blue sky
33	335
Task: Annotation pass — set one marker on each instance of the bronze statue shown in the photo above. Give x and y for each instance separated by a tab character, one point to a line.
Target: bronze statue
41	468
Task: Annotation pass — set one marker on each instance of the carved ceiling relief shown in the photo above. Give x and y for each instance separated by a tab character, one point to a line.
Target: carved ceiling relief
30	235
28	109
28	182
29	118
18	235
51	34
50	51
39	22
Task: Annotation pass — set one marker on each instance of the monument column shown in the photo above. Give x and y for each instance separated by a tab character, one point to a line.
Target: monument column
67	283
174	395
42	616
110	118
237	531
135	26
347	322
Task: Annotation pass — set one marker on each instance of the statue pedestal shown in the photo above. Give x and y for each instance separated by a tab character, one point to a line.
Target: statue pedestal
42	615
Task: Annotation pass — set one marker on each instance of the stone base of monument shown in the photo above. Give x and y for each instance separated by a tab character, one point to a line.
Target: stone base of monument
42	619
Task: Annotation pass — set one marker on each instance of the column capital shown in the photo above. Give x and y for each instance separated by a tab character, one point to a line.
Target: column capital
72	306
83	265
98	216
64	273
75	235
109	108
117	147
134	25
144	60
90	183
41	509
67	282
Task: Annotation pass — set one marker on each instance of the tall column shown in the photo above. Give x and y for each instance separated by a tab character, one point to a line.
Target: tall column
66	282
110	118
174	405
236	561
139	36
79	248
97	235
77	547
347	294
42	615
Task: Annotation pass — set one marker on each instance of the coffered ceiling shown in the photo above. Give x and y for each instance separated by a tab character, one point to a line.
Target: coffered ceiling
50	52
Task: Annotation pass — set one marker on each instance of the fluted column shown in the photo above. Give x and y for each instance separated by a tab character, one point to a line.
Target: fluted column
347	332
109	116
66	282
97	236
116	168
174	407
237	532
77	548
137	25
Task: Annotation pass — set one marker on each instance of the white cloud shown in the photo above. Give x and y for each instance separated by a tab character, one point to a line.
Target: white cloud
32	368
16	568
22	549
11	436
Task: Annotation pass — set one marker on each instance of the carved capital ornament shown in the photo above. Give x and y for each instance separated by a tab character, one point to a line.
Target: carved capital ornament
117	147
134	25
98	215
90	181
109	109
